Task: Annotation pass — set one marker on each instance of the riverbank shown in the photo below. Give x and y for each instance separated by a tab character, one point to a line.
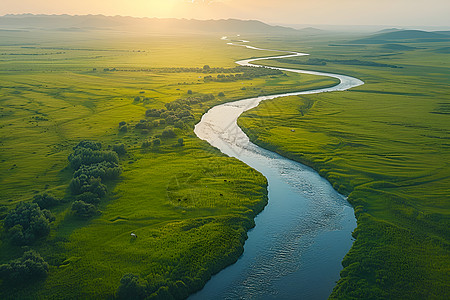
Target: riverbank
190	205
383	145
297	196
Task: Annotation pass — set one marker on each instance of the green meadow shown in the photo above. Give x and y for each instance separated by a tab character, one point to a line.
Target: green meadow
386	146
189	204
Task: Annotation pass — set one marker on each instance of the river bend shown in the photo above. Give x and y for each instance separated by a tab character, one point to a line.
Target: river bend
298	243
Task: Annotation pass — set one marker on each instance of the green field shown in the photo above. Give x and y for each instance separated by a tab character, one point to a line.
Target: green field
384	144
190	205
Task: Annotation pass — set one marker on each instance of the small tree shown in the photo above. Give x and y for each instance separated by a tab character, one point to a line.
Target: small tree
221	94
156	142
189	92
181	142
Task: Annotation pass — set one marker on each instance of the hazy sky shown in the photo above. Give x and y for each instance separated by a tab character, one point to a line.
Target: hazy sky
339	12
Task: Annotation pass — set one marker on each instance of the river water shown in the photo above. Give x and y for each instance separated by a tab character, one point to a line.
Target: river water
298	243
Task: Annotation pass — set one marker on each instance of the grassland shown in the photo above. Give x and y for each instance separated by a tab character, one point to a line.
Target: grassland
190	205
384	144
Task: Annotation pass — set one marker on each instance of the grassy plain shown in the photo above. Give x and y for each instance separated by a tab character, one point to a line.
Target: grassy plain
189	205
384	144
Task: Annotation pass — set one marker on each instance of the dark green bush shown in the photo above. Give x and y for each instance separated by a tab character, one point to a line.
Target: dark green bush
46	200
89	145
103	170
123	129
156	142
87	156
31	266
88	197
83	183
146	144
168	133
26	223
83	209
120	149
131	288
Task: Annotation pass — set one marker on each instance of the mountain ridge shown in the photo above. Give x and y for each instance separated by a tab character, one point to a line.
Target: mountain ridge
90	22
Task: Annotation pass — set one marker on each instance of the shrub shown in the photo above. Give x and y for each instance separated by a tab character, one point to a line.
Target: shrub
146	144
179	124
154	112
45	200
189	92
156	142
83	183
103	170
122	123
31	266
87	156
89	145
88	197
83	209
26	223
130	287
181	142
221	94
123	129
119	149
168	133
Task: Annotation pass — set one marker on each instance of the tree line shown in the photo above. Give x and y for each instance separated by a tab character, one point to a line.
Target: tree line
92	167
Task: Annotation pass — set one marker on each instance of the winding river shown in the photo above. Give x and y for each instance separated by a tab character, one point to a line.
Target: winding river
298	243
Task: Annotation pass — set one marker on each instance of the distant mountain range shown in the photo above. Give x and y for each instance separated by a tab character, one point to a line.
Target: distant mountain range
100	22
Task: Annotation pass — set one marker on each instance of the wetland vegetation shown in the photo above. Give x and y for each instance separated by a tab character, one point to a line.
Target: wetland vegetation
99	135
385	145
107	192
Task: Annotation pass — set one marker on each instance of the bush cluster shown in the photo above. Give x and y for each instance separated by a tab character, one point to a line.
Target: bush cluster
27	222
131	288
45	200
243	73
92	165
31	266
87	156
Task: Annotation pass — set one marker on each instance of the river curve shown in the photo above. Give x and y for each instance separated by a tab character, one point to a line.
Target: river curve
298	243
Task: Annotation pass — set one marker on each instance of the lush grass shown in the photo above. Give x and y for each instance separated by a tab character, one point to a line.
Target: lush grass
385	145
190	205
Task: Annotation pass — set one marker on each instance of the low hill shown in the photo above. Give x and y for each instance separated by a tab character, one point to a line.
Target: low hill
403	36
445	50
398	47
388	30
92	22
312	30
